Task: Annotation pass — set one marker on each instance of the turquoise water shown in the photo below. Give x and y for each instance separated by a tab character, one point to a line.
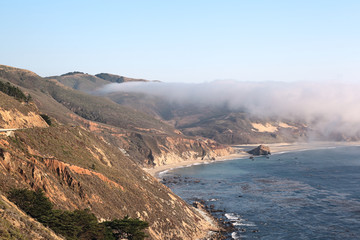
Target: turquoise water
312	194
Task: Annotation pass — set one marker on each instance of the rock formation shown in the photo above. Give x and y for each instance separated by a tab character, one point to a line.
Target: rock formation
260	150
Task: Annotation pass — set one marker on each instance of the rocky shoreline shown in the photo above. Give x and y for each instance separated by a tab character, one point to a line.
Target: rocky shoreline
241	151
217	216
223	227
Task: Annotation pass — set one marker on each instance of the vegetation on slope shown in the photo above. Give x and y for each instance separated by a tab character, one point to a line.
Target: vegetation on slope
47	119
80	81
78	170
78	224
9	103
13	91
90	107
219	123
118	79
16	225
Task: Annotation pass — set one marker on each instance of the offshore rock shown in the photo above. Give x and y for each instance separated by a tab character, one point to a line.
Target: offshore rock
260	150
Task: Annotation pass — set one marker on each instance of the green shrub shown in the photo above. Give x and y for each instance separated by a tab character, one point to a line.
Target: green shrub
129	228
15	92
46	119
78	224
33	203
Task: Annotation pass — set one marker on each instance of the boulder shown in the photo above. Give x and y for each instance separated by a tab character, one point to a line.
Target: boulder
260	150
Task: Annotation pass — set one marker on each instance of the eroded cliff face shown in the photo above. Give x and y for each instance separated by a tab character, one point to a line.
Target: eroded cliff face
176	149
152	148
156	150
15	114
15	119
66	163
78	169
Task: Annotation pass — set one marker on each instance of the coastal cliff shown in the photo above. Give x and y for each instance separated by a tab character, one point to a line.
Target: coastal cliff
79	169
147	140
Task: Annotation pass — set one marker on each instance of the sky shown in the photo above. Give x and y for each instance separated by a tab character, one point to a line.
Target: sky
190	41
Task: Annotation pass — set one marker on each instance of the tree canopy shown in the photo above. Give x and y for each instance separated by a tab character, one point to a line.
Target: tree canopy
78	224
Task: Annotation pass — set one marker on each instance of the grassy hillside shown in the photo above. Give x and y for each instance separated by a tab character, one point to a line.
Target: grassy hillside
80	170
218	123
16	225
118	79
8	103
87	83
147	139
102	110
90	107
80	81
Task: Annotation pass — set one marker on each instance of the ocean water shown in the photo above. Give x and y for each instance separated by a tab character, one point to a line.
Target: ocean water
313	194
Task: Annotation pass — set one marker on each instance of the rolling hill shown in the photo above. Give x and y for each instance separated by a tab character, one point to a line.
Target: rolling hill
150	141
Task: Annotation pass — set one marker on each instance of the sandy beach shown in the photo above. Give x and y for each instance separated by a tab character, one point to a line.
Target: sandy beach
240	152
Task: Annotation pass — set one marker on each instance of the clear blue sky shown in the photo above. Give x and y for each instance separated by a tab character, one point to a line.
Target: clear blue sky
185	40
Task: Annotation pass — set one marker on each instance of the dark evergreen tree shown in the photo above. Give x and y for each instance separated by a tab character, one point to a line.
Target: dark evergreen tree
78	224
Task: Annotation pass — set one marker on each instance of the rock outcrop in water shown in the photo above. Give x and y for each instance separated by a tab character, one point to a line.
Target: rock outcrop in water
260	150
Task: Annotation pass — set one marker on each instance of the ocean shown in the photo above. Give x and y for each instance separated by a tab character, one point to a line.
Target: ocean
311	194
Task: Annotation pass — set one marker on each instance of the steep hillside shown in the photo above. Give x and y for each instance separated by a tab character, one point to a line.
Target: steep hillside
80	81
218	123
239	127
16	225
78	170
148	140
90	107
15	114
87	83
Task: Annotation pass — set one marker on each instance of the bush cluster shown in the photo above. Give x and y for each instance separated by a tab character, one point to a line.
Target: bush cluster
78	224
13	91
47	119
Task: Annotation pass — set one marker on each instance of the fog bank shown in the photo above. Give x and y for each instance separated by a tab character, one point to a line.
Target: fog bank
331	105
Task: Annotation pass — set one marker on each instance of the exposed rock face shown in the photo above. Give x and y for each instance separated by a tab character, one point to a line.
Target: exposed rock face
60	161
260	150
14	114
149	141
151	148
78	170
163	150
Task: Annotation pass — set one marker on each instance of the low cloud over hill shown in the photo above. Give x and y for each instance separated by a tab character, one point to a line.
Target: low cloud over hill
326	106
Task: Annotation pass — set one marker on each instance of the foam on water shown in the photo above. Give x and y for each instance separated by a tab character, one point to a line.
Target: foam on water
234	235
236	220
